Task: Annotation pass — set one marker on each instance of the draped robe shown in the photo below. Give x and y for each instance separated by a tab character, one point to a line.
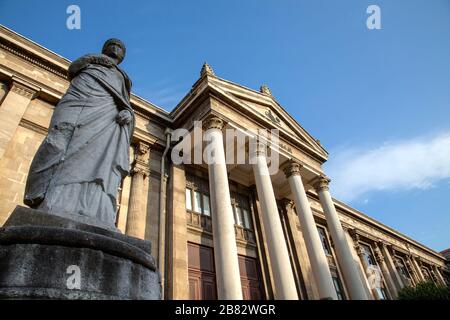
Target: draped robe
78	168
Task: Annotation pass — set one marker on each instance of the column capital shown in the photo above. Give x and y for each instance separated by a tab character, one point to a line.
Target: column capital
137	169
24	88
141	163
213	122
142	148
381	244
288	204
378	254
322	184
353	233
256	148
291	168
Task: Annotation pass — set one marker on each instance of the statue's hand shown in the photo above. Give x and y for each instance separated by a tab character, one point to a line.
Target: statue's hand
124	117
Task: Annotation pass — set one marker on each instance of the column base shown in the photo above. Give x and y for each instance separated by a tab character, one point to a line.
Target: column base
43	256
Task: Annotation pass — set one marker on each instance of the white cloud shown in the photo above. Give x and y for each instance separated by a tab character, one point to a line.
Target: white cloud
418	163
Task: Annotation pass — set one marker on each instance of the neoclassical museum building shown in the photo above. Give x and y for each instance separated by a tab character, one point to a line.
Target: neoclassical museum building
219	231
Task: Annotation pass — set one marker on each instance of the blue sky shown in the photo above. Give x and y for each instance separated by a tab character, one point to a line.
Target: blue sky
378	100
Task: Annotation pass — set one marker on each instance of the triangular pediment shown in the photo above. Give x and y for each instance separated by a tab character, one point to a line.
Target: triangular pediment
267	109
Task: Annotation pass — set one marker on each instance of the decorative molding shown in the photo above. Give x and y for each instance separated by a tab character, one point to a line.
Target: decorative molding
264	89
36	61
33	126
206	70
20	87
273	118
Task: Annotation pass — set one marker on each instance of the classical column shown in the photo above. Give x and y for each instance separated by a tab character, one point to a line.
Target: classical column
403	281
12	109
316	253
350	235
385	271
278	253
360	252
137	211
398	281
439	275
412	271
418	268
344	256
225	248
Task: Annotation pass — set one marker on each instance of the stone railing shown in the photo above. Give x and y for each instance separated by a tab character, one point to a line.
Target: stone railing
199	221
244	234
203	223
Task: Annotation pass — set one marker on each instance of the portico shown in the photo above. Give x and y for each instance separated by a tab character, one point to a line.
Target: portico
289	183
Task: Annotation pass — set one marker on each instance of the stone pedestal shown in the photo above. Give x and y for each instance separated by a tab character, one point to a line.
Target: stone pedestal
44	256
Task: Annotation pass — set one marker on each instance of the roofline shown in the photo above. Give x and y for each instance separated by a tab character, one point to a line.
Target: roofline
63	63
346	208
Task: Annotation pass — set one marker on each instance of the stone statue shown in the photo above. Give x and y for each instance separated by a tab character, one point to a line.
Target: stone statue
78	168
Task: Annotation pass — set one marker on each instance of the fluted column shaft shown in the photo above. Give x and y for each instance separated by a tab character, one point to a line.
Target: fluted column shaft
316	253
439	275
225	248
349	267
278	253
385	271
412	270
376	295
419	270
398	281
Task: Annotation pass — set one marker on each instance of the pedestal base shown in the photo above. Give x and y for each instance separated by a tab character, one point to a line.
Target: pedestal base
43	256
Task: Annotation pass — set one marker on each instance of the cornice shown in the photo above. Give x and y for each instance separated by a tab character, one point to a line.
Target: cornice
33	126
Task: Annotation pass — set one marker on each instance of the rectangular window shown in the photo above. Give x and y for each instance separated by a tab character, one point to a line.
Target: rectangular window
401	268
197	202
381	293
188	199
367	254
239	216
247	220
324	240
206	210
337	286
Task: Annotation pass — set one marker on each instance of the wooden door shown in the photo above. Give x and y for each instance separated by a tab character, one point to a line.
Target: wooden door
202	277
250	278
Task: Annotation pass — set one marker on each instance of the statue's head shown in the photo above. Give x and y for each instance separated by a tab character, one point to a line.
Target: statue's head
115	49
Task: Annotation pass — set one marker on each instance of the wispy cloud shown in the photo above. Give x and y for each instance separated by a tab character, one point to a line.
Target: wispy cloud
417	163
163	93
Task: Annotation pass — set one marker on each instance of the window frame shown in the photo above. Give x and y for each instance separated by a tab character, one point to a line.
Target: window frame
324	237
193	200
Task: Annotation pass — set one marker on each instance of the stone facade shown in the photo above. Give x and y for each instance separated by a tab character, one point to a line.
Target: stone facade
283	236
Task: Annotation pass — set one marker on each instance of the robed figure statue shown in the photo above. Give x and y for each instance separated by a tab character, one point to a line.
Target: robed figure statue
78	168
